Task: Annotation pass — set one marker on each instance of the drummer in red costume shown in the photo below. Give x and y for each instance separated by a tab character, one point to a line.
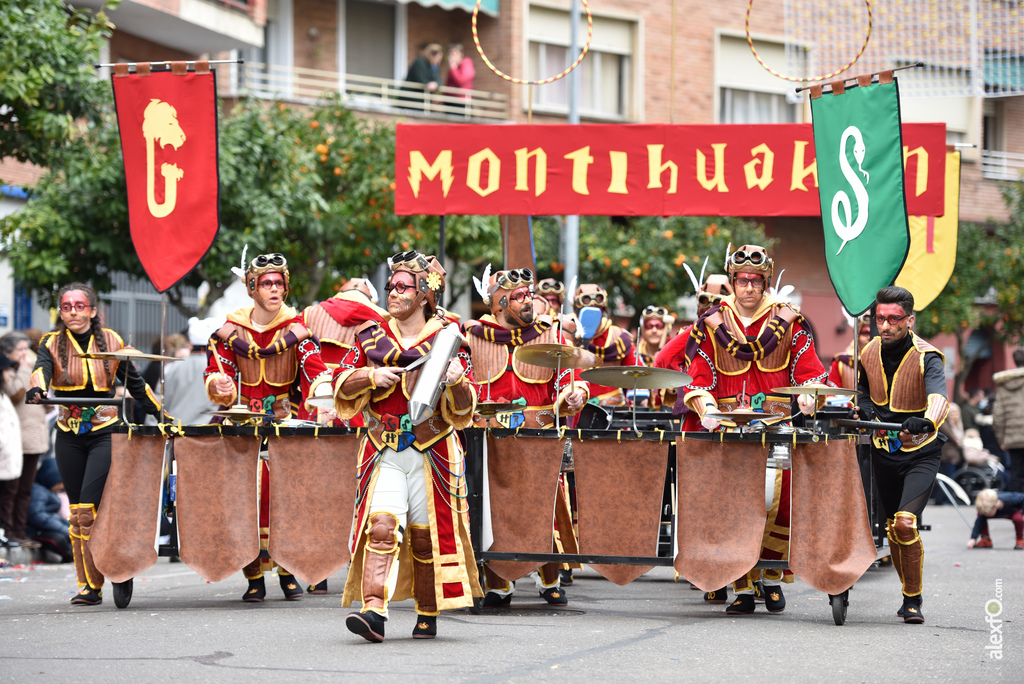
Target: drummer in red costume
411	529
743	347
655	324
612	345
502	378
278	360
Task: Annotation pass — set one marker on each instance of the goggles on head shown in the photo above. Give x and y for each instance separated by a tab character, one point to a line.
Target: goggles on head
751	256
591	299
706	299
655	311
512	279
551	286
410	261
267	263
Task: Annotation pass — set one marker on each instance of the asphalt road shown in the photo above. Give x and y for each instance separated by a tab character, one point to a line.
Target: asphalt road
180	628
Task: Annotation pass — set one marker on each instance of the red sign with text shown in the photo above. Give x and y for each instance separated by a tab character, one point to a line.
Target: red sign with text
168	126
635	170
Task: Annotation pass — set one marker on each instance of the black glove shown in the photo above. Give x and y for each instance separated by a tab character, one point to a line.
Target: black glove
867	411
34	395
918	426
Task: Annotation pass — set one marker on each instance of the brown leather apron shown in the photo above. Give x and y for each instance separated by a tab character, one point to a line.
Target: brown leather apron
312	496
123	543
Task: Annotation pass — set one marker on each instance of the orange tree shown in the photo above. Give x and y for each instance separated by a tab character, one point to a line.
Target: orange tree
641	259
985	290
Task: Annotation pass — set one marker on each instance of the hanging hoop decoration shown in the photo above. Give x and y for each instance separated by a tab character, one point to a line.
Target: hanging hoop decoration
824	77
583	53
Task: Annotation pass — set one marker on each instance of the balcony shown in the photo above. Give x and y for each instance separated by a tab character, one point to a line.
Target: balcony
364	93
1005	166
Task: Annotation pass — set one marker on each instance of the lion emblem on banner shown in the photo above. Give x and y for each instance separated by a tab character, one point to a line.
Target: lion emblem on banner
160	125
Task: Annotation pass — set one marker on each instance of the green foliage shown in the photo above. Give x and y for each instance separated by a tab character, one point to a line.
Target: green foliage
47	81
642	258
984	292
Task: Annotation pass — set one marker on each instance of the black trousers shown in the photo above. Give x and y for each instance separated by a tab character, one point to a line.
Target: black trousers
905	480
83	462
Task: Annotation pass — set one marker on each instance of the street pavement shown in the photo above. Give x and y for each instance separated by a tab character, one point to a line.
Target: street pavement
181	628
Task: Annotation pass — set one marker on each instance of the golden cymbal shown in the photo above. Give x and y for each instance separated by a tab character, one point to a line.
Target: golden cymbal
555	356
494	408
815	389
126	354
641	377
740	416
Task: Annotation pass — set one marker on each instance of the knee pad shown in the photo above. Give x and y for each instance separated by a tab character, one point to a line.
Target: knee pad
381	532
905	527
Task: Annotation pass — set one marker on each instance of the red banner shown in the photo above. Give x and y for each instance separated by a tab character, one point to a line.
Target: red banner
634	170
168	127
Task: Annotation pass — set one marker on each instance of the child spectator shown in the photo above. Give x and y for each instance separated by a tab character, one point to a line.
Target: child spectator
991	504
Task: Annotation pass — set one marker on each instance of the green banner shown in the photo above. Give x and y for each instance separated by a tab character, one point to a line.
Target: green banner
859	149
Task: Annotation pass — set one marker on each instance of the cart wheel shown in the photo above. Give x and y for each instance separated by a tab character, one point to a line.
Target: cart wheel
123	593
478	606
839	603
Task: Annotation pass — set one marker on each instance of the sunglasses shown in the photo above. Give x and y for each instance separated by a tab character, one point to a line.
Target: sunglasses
742	256
654	325
756	282
597	299
264	260
891	320
270	284
77	306
655	311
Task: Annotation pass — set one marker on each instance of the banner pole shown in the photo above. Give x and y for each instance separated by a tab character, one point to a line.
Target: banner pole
167	64
854	78
163	350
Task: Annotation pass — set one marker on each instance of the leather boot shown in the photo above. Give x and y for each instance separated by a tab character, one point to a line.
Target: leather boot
894	547
911	553
380	554
75	533
257	590
423	569
86	519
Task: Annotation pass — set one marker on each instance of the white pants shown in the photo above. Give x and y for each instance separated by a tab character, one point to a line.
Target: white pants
401	490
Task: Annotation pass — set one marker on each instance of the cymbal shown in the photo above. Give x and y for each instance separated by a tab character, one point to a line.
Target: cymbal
241	413
641	377
494	408
555	356
126	354
321	402
740	416
815	389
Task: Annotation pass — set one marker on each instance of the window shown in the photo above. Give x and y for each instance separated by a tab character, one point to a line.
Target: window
606	74
747	93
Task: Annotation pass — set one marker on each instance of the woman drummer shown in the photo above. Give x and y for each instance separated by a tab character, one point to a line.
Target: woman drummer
83	446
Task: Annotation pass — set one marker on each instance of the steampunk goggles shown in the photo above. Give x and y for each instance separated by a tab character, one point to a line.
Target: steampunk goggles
546	287
591	299
264	260
510	280
753	257
411	260
655	311
706	299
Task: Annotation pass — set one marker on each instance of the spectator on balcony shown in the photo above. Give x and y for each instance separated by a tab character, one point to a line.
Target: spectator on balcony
460	74
425	70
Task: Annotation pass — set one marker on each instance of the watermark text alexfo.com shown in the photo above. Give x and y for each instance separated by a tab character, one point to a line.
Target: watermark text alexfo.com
993	609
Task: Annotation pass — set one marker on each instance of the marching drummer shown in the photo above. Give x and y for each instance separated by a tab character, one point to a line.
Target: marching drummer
906	460
502	377
267	349
612	345
749	344
83	444
655	324
411	465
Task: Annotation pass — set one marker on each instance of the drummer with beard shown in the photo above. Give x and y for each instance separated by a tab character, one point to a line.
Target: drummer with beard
503	378
266	346
612	345
743	347
902	380
411	529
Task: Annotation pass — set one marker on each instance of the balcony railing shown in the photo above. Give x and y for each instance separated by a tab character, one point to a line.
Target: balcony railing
367	93
1007	166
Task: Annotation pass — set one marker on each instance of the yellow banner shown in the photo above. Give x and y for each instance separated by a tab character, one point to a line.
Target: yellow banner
932	253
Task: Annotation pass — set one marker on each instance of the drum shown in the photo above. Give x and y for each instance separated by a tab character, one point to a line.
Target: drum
594	417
